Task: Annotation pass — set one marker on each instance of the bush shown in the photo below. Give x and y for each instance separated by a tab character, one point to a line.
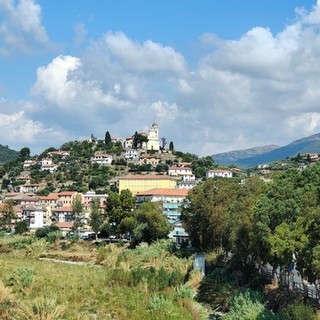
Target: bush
22	278
43	232
160	305
21	227
216	289
298	311
248	305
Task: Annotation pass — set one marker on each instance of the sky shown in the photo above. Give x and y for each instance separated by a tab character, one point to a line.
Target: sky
215	75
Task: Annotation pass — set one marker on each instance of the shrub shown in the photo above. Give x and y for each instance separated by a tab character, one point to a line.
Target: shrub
216	289
35	249
248	305
160	305
54	236
21	227
43	232
41	308
298	311
22	278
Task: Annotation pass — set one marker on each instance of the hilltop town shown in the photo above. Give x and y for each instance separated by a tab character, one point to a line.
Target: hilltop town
43	189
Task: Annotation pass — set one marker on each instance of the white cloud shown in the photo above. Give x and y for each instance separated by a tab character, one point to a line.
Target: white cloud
21	29
165	110
260	89
18	130
146	57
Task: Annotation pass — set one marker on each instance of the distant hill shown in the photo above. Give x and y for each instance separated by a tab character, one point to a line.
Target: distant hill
7	154
309	144
232	157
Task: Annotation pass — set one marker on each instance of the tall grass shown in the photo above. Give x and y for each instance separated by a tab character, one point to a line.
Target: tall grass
124	286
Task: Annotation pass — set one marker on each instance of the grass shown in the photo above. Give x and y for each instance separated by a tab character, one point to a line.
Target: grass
39	289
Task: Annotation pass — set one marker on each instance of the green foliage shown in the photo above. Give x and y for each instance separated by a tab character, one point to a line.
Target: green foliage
152	224
22	278
298	311
7	154
205	212
217	289
7	215
44	231
96	217
21	227
248	305
107	138
160	305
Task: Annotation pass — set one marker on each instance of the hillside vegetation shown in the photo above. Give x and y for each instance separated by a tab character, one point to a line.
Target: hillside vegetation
7	154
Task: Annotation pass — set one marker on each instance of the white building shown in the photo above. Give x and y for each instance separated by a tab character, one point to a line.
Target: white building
36	216
101	158
179	171
153	138
131	154
47	164
219	173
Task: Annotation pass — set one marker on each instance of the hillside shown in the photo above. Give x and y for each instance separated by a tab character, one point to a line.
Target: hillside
7	154
232	157
310	144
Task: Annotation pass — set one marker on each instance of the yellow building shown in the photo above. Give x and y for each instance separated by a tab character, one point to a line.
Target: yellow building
142	182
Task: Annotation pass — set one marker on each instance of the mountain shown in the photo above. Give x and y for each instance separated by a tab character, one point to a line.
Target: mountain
309	144
232	157
7	154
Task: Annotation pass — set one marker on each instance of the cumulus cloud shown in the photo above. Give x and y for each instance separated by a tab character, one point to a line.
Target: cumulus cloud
143	57
18	130
260	89
21	29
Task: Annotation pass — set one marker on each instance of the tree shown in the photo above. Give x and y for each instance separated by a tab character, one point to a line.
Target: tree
171	146
205	212
163	142
96	217
77	208
24	153
107	138
151	223
119	207
21	227
7	215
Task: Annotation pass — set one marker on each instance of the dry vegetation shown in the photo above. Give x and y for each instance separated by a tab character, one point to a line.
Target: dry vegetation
117	283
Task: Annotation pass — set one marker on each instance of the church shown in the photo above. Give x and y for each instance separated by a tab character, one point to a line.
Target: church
153	138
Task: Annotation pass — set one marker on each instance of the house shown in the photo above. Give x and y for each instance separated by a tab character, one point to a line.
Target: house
179	171
47	164
65	227
219	173
22	199
101	158
188	181
60	153
170	200
37	216
131	154
142	182
65	198
91	195
146	158
28	163
24	176
49	200
128	143
28	188
62	214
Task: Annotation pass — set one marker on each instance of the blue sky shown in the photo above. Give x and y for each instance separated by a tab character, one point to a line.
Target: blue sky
217	75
